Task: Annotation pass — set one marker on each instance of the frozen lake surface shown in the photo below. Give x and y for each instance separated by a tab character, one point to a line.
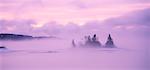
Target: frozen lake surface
59	55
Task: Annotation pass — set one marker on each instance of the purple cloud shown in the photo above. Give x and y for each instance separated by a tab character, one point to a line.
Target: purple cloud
134	22
16	26
141	17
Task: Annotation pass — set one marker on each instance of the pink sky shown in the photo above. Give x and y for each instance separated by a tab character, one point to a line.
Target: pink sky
66	11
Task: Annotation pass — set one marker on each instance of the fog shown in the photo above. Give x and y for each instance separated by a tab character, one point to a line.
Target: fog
132	53
130	35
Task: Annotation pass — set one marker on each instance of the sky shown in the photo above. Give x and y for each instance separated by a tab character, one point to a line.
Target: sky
128	21
51	17
66	11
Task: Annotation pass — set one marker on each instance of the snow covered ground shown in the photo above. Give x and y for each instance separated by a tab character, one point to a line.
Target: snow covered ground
59	55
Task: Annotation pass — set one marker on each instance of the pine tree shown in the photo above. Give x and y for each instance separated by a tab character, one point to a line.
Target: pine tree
109	42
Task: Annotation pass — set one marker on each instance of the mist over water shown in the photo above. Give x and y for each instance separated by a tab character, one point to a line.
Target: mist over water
132	53
130	33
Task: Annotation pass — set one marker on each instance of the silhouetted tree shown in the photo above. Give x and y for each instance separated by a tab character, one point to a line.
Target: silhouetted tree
73	43
94	38
109	42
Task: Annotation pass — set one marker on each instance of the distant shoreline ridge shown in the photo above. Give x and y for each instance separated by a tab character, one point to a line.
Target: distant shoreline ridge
9	36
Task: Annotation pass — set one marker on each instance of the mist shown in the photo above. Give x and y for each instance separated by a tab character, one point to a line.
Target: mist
129	33
132	53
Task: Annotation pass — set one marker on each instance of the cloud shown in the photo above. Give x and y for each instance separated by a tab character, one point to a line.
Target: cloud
128	29
141	17
133	20
16	26
78	11
85	4
136	22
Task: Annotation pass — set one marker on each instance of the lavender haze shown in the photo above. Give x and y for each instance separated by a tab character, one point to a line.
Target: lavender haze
127	21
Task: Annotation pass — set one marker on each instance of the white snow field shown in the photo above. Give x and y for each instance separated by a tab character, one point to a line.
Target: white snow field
57	54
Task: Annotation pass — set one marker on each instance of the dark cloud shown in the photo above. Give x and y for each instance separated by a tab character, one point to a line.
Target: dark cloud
136	23
141	17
